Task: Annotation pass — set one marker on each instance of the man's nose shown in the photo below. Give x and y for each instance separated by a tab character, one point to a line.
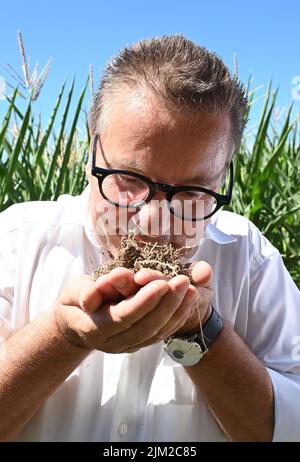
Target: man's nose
153	218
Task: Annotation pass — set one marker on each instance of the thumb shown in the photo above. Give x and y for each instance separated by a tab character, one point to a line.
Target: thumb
82	291
201	273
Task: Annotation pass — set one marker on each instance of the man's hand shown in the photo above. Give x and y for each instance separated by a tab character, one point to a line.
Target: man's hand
123	311
200	292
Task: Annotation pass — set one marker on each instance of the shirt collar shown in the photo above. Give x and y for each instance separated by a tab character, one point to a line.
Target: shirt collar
219	237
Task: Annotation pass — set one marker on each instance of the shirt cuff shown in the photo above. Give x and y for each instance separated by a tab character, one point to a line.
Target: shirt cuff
286	389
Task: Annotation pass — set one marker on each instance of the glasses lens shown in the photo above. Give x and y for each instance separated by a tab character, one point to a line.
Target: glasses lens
125	190
192	205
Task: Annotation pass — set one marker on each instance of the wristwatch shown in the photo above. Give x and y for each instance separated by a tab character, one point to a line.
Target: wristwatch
189	349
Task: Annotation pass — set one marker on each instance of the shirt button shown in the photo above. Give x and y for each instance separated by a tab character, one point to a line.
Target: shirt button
123	428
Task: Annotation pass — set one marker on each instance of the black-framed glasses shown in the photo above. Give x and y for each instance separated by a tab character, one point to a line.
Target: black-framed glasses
131	190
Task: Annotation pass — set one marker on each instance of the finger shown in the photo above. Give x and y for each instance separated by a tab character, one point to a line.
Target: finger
122	279
202	273
176	322
182	315
145	275
108	291
82	291
146	327
129	311
93	294
160	336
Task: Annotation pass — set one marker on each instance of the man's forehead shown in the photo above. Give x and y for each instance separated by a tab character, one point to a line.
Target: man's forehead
191	174
143	115
142	133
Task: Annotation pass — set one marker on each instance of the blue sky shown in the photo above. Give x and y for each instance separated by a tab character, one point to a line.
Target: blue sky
265	35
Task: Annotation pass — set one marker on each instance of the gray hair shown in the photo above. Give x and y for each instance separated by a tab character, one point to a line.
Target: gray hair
180	72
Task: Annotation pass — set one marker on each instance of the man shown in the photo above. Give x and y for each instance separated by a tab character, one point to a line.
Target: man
138	356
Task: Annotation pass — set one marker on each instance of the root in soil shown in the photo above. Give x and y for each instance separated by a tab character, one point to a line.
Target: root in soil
136	255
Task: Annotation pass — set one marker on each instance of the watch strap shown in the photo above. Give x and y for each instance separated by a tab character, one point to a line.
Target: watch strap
210	331
212	327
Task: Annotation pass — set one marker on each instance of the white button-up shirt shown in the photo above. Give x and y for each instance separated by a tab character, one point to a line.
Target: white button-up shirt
145	396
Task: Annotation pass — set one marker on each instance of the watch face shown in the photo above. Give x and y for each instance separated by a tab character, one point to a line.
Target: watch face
184	352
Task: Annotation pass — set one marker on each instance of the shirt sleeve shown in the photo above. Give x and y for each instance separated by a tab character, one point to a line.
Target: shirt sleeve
8	255
273	334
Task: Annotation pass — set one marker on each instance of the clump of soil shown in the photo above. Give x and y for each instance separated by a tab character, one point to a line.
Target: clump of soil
135	254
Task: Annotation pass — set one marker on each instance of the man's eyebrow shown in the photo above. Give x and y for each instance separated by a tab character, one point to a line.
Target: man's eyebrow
132	165
204	181
128	165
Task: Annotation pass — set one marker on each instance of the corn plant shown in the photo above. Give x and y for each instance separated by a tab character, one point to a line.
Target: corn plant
37	164
31	81
267	179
